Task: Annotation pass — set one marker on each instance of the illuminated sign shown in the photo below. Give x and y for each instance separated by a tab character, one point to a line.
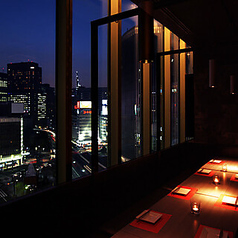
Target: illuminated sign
104	107
86	112
83	105
77	106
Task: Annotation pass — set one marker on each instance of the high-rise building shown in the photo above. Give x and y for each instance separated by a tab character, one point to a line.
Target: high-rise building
24	80
46	106
24	76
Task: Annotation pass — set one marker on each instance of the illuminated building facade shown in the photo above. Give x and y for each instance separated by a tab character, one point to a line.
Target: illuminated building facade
82	121
24	80
41	106
11	135
81	115
46	106
103	121
3	87
24	98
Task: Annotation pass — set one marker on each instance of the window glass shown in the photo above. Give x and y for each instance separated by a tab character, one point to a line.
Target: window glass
130	91
83	13
127	5
157	89
175	105
27	97
103	160
189	62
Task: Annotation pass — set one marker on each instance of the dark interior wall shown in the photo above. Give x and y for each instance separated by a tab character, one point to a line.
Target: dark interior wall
216	110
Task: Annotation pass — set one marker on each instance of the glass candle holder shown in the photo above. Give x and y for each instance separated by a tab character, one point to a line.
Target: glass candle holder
224	167
216	179
195	207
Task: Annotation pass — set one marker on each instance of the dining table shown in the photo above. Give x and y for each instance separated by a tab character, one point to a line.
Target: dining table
175	215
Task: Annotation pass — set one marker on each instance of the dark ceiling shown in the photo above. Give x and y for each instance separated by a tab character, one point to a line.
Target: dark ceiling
202	23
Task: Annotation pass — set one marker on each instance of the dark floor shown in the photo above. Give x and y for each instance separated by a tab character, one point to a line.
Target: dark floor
110	227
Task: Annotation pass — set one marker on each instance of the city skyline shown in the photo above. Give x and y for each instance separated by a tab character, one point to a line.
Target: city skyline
28	29
28	34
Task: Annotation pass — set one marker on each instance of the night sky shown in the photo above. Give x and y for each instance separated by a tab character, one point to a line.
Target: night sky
28	34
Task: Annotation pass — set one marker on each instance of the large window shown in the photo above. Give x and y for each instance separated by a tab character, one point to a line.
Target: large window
174	65
130	94
124	105
130	90
27	97
83	13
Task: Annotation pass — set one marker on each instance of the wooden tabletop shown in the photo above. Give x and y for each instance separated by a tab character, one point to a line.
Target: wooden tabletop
184	224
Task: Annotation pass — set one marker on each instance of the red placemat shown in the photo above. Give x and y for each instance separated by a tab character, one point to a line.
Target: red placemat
219	203
199	231
233	178
155	228
207	175
187	197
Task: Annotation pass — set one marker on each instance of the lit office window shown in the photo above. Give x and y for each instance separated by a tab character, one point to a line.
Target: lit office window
27	98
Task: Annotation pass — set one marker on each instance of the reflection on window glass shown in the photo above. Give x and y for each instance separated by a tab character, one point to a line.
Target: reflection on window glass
158	32
130	91
128	5
174	68
174	99
158	47
161	98
189	62
27	98
169	73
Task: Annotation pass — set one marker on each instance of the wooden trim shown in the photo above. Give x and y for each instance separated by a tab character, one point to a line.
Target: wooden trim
64	89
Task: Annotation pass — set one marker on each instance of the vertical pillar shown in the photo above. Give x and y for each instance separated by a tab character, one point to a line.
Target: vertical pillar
167	89
146	32
146	109
64	89
182	91
146	55
94	96
114	84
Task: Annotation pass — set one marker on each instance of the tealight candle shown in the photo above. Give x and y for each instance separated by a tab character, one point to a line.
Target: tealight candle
216	179
195	208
